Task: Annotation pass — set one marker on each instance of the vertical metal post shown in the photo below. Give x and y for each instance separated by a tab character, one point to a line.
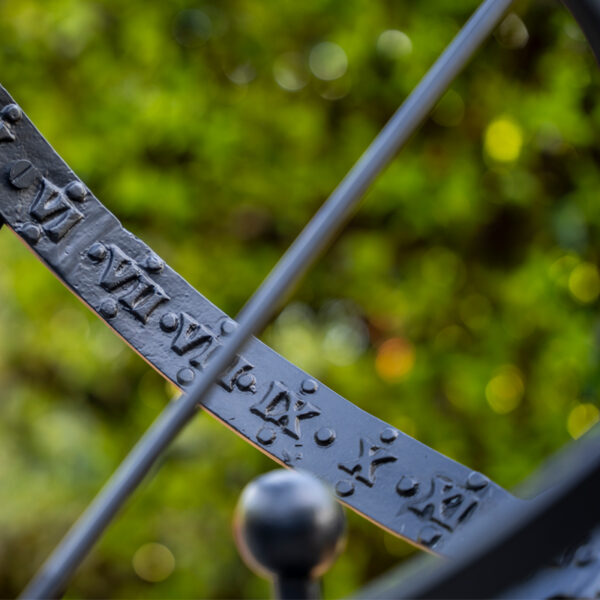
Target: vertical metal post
289	527
297	588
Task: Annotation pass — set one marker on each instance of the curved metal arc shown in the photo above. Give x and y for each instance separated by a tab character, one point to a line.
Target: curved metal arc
274	405
46	209
498	561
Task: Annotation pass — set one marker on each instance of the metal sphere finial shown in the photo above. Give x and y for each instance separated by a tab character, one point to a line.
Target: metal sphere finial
289	526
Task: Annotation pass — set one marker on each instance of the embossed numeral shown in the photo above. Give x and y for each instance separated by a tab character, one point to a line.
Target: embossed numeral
53	210
284	408
142	295
52	206
144	298
192	335
370	456
121	270
447	504
232	375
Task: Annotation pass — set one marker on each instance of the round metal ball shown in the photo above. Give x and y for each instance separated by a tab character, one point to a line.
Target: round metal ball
288	524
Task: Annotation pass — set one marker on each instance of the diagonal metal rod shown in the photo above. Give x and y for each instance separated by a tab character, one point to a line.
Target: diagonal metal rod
56	571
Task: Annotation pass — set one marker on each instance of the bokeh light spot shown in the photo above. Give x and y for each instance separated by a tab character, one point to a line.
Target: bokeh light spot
394	44
334	90
328	61
395	359
503	140
153	562
512	32
242	74
289	71
504	391
584	283
581	418
343	343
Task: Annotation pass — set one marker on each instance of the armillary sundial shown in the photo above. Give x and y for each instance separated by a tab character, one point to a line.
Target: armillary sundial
375	468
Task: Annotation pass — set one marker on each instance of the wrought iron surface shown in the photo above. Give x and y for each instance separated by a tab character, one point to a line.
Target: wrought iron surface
575	573
376	469
547	548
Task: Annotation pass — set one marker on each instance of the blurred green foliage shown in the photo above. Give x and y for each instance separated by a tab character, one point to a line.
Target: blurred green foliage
460	304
